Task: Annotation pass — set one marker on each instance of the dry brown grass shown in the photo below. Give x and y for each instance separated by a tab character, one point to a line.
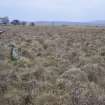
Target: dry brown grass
59	66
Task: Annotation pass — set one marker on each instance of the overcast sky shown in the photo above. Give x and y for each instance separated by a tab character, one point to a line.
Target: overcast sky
53	10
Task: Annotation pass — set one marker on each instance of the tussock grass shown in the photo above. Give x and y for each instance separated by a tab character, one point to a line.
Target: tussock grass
58	66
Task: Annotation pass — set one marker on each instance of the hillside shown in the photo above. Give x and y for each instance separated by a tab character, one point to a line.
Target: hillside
57	65
98	23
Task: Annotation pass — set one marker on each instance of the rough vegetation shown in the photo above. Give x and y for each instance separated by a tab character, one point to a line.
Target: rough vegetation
58	66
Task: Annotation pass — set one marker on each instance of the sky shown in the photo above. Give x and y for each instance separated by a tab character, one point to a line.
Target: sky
53	10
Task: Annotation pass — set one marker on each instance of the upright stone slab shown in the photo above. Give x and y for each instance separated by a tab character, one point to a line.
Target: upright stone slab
15	53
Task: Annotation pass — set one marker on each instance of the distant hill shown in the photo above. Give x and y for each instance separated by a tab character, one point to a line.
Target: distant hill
98	22
92	23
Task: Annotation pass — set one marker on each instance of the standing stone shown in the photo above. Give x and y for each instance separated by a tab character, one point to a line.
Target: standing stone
15	53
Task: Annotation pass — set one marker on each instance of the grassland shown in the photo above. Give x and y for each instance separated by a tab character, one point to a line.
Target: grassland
60	65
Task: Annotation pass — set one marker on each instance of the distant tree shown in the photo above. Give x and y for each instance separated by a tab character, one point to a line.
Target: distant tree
4	20
23	23
32	24
15	22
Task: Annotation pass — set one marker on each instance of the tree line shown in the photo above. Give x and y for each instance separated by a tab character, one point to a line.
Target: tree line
6	21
